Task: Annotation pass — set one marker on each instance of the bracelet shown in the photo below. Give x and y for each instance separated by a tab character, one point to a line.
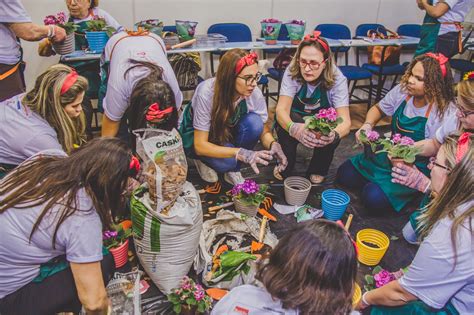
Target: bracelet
368	123
364	299
51	31
288	126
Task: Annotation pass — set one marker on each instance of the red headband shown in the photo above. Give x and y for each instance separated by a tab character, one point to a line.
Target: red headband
134	165
339	222
469	76
441	59
463	146
154	112
71	78
246	60
316	37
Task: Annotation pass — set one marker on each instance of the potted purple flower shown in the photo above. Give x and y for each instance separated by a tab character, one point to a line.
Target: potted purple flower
296	30
116	241
371	142
323	122
68	45
189	298
271	30
400	149
380	277
248	196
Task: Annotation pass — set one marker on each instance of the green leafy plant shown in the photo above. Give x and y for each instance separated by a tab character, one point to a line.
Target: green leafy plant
324	121
116	236
249	192
99	25
150	24
380	277
400	147
191	296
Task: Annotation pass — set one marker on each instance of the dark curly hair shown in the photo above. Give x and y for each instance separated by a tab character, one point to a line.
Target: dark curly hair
313	269
438	89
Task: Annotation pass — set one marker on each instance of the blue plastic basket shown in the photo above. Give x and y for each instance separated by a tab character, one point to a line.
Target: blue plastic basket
334	203
97	41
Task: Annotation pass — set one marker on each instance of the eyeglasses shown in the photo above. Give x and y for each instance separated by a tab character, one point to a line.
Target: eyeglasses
434	163
249	80
313	65
464	112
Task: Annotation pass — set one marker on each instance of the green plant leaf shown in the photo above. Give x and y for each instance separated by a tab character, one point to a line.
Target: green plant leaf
190	301
377	269
201	308
369	279
177	308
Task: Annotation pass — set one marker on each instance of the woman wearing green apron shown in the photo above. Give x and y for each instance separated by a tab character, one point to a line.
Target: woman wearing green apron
418	106
225	120
441	28
310	83
440	280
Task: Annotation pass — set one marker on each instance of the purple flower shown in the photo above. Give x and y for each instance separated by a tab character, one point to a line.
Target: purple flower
250	187
269	30
236	189
109	234
407	141
372	135
271	20
396	138
299	22
61	17
382	278
50	20
199	295
329	114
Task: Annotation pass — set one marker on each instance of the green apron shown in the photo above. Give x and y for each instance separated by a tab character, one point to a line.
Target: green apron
300	101
428	35
378	170
414	308
5	169
421	208
186	128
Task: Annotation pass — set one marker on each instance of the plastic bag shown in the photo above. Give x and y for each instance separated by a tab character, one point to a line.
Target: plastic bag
124	293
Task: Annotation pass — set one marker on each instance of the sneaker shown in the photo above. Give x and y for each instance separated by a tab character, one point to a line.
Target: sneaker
207	174
234	178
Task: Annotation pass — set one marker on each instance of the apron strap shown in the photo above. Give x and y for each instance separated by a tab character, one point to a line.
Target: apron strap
428	111
10	72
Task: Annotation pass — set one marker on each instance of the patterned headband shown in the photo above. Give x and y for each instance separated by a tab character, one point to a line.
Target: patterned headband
442	60
246	60
316	37
463	146
71	78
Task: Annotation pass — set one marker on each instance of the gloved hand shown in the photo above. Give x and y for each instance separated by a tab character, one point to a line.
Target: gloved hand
253	157
410	177
366	127
325	140
277	152
303	135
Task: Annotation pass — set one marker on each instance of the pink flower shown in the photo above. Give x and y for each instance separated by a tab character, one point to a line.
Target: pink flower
271	20
373	135
407	141
109	234
329	114
383	277
199	295
61	17
396	138
50	20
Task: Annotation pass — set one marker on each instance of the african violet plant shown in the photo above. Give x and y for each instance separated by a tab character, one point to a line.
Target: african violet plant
324	121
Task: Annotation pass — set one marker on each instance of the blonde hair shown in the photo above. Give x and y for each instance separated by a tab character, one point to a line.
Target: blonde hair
454	193
328	74
465	92
46	100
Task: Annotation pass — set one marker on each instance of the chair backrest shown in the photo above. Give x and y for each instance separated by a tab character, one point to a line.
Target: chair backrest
334	31
170	28
235	32
412	30
362	29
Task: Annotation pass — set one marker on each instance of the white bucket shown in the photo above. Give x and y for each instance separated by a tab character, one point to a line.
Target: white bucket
296	190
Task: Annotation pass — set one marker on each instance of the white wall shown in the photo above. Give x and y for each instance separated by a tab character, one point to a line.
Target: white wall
391	13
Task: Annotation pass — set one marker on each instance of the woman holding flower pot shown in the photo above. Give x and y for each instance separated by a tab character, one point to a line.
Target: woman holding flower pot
440	280
312	83
418	106
225	120
53	210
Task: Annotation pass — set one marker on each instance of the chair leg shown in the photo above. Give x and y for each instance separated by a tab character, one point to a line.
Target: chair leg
369	101
380	84
352	90
394	82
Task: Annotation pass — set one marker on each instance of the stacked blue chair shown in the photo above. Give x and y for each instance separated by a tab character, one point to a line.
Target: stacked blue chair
352	73
412	30
382	71
235	32
170	28
463	65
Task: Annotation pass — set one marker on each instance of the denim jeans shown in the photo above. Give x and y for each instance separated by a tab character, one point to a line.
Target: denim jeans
245	135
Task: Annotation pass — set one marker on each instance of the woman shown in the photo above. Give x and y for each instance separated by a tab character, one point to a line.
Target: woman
226	119
412	177
440	280
47	117
132	61
63	203
312	270
310	83
418	106
441	30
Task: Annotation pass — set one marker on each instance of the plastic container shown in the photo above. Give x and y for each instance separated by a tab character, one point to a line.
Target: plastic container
296	190
97	41
120	254
66	47
295	32
210	40
250	210
357	295
270	31
372	245
334	203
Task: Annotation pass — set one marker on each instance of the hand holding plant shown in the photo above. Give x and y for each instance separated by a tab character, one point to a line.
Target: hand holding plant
323	122
60	20
400	147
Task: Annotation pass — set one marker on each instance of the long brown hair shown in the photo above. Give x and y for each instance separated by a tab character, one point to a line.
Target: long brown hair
223	100
46	100
101	167
328	78
438	89
455	192
313	269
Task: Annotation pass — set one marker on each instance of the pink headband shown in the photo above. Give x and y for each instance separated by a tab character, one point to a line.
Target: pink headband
442	60
134	165
246	60
71	78
463	146
316	37
154	112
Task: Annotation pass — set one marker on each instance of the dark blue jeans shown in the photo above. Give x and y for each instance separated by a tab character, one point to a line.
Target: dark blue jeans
246	135
372	196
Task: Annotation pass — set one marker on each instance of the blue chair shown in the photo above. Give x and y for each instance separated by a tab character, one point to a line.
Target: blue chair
463	65
170	28
382	71
352	73
412	30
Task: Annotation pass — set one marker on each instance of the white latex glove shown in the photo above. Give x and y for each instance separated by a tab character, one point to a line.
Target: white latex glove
303	135
254	157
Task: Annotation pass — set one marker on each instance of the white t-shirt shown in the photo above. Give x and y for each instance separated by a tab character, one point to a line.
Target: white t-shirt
23	133
11	11
202	104
394	98
145	48
431	276
97	12
458	9
338	95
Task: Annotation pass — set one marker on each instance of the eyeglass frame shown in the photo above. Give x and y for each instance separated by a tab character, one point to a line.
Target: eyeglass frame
464	112
252	79
433	162
319	64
